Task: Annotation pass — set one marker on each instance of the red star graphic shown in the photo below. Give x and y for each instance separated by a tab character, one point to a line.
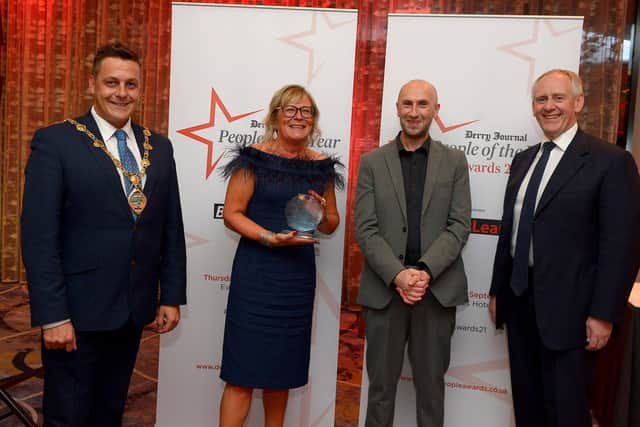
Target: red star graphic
194	240
445	129
311	69
512	47
190	132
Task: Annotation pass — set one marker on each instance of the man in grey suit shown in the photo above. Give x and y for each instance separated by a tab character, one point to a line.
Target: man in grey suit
413	217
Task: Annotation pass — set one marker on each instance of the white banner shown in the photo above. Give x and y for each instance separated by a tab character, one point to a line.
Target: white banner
483	68
226	63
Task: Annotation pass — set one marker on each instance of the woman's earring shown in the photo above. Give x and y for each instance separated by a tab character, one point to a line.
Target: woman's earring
274	134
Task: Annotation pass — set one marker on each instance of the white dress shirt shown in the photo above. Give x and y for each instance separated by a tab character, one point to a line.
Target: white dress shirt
561	144
107	130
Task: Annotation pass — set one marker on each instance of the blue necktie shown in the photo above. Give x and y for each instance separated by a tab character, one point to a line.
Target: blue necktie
520	272
127	160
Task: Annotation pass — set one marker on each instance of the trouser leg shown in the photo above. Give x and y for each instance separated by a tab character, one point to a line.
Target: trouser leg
431	328
386	335
118	358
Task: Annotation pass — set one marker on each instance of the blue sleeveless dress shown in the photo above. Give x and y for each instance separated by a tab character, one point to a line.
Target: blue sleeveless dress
267	336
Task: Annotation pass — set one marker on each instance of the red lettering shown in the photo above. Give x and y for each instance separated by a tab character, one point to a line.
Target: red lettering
480	226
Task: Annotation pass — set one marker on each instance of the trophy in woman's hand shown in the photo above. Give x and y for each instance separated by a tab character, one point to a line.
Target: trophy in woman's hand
303	213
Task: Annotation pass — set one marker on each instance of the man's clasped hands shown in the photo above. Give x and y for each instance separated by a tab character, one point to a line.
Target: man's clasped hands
412	284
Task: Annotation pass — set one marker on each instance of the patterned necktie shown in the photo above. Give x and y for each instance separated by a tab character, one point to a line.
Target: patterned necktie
127	160
520	271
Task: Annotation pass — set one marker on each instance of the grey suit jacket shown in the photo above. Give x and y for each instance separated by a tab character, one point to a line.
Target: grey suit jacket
381	223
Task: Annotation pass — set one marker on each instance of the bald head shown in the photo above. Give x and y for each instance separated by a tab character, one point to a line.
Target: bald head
414	86
417	105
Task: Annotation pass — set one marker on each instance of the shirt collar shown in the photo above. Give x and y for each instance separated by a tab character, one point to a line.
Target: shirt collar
107	129
565	138
424	146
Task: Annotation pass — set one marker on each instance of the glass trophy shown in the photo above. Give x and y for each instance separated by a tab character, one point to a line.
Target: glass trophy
303	214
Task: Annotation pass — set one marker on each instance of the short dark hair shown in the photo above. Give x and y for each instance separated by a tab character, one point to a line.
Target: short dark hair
113	49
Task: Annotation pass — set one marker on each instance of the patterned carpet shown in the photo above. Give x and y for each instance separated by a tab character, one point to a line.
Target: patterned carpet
20	353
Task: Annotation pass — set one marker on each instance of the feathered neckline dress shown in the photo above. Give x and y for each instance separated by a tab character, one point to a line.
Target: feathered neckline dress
267	336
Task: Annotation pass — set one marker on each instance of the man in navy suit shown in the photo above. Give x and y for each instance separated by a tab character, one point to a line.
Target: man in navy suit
566	258
103	245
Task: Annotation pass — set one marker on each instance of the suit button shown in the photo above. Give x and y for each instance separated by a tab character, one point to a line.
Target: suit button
134	227
133	263
400	256
404	229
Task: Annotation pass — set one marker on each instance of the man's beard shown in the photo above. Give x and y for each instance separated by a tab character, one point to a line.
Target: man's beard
415	133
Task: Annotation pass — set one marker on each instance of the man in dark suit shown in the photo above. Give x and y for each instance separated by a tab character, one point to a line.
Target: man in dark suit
566	258
413	217
103	245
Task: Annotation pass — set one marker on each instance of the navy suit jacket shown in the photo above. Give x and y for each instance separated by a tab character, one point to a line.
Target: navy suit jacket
586	248
86	258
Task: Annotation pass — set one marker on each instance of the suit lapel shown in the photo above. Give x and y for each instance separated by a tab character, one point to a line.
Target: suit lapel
149	181
105	164
517	176
433	165
395	171
572	160
137	130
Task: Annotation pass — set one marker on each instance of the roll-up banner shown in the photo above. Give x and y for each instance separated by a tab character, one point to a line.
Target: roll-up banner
226	63
483	68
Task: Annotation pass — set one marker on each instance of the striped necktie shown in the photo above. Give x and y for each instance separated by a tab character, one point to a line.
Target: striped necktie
127	160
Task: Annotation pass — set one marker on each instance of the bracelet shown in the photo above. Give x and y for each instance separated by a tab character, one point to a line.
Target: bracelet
266	238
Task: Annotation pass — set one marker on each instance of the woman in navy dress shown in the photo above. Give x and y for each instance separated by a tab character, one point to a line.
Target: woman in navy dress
267	334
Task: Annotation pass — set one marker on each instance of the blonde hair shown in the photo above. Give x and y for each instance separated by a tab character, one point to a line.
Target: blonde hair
576	81
284	96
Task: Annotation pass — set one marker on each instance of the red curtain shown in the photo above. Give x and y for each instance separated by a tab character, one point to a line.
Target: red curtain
47	46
